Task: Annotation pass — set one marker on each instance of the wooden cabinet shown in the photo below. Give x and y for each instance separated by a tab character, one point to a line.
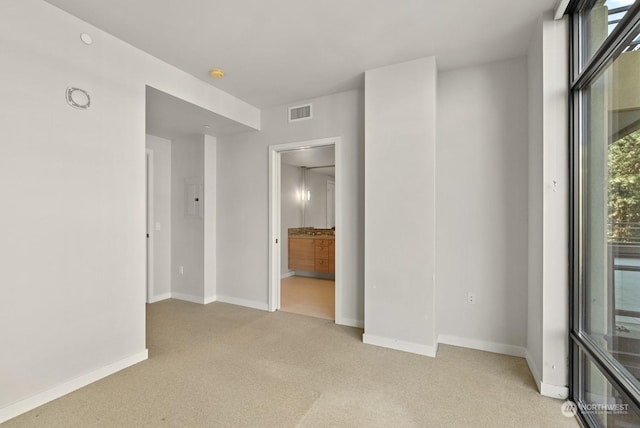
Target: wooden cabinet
302	254
322	255
312	255
332	256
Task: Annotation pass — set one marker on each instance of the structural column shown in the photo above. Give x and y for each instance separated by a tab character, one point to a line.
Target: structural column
400	133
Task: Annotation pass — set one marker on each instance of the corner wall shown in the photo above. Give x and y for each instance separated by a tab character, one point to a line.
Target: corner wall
548	288
481	204
210	219
187	241
535	311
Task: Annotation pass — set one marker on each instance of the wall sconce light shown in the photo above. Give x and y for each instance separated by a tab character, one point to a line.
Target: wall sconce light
305	195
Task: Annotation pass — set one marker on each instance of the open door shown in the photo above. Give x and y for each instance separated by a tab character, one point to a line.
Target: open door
278	236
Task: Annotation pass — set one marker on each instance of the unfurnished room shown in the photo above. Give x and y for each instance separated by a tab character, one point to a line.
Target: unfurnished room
352	213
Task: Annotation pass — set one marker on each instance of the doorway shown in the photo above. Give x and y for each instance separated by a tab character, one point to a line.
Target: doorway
316	233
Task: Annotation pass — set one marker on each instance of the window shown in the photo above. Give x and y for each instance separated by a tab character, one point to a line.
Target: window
605	325
597	22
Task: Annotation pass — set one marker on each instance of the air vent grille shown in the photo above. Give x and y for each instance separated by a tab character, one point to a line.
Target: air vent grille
299	113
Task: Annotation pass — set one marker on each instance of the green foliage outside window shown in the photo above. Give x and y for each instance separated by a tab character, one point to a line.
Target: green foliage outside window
624	189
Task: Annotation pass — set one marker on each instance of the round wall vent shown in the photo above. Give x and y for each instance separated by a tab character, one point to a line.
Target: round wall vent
78	98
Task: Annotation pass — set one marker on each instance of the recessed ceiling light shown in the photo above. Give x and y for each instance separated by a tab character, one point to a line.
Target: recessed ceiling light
207	126
86	38
216	73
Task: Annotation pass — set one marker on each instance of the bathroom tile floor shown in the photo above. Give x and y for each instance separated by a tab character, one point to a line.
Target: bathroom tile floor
308	296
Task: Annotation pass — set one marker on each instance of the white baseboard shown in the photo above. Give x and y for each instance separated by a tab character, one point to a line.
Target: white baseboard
481	345
350	323
159	298
533	368
185	297
242	302
44	397
206	300
400	345
188	298
546	389
554	391
288	274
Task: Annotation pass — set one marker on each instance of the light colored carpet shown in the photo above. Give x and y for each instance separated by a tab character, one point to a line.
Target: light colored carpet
308	296
226	366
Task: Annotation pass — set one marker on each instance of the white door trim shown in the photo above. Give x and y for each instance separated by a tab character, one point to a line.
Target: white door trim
150	224
274	228
274	219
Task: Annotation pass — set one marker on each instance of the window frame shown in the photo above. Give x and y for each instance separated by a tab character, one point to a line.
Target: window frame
580	77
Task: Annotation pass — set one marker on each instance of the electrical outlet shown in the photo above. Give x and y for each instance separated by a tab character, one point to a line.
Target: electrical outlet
181	270
471	298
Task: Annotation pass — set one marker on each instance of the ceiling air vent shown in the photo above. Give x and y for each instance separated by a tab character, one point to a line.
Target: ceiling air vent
299	113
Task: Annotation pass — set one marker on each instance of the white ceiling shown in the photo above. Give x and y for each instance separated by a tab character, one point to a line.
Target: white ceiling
281	51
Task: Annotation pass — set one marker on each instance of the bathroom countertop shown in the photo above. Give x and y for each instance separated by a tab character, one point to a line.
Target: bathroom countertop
305	236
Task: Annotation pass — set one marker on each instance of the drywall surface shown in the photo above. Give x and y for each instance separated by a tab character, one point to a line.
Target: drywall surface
482	181
547	345
291	209
242	208
535	312
400	128
160	230
73	186
209	193
555	370
187	228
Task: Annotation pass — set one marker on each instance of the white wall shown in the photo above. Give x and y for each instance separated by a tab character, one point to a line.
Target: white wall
187	240
161	149
191	241
535	311
291	209
210	249
73	185
482	206
548	290
243	199
400	128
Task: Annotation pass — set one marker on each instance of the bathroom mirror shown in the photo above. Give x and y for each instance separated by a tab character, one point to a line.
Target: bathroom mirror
308	188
